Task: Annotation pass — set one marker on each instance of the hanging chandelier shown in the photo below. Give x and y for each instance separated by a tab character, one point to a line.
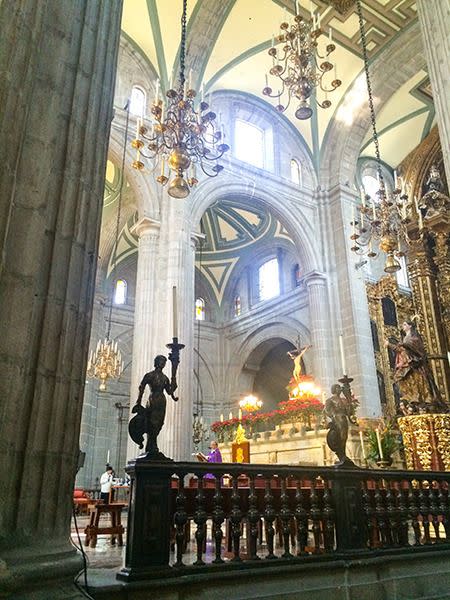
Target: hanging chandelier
199	431
383	220
298	67
106	361
181	135
250	403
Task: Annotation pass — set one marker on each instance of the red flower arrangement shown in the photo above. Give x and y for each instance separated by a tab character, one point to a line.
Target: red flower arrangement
296	409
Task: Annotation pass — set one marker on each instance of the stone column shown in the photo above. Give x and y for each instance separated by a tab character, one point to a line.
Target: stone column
349	306
321	340
176	436
58	61
145	345
434	18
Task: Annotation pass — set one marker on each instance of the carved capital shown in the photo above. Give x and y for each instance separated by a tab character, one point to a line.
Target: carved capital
144	226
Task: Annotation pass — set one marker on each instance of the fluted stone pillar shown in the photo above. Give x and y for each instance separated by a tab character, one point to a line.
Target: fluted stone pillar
178	269
350	307
434	18
321	339
58	61
145	346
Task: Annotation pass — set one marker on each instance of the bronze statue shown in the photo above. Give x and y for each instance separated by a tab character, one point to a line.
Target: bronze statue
340	410
150	419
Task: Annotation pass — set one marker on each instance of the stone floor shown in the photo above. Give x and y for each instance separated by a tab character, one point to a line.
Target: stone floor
104	555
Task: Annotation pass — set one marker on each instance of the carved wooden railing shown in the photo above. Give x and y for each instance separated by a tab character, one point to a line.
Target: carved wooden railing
189	516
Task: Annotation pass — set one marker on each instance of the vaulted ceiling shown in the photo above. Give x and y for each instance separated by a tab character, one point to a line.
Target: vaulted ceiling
227	43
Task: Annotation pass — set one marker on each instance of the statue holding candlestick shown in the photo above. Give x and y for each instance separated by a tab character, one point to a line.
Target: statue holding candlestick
340	409
150	419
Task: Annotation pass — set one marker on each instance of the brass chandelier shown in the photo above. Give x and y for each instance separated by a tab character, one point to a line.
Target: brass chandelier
384	220
299	67
181	135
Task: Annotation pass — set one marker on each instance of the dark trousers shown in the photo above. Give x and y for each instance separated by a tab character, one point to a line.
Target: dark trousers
105	497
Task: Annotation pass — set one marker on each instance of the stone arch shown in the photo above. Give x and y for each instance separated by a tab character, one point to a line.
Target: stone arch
300	229
284	328
397	63
133	68
142	183
254	348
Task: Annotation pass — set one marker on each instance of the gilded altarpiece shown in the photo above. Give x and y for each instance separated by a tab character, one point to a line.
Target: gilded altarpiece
388	308
429	252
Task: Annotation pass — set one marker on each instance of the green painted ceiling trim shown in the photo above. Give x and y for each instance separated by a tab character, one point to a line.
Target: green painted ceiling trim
141	53
336	33
237	60
216	37
371	59
419	95
198	80
428	123
159	46
412	115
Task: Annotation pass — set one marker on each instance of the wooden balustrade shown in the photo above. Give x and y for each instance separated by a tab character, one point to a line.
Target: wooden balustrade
240	514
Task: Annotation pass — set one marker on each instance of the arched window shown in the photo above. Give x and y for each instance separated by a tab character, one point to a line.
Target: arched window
237	306
371	186
199	309
368	178
249	143
402	275
120	292
269	280
296	172
137	101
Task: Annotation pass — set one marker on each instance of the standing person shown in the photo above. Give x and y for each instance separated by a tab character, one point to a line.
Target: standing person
214	455
106	481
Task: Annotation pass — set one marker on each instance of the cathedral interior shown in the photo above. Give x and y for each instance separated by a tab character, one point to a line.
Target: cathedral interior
311	231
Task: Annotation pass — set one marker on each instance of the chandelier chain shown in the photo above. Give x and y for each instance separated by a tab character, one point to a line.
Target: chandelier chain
183	44
369	88
119	211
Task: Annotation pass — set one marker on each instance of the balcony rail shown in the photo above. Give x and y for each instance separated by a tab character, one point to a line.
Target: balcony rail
189	516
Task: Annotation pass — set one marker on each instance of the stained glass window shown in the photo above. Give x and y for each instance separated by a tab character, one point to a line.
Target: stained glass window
237	306
199	309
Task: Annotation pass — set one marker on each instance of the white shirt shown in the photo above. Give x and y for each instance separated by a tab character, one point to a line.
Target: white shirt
106	482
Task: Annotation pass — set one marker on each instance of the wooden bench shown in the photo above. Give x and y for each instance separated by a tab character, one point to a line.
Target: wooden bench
114	529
